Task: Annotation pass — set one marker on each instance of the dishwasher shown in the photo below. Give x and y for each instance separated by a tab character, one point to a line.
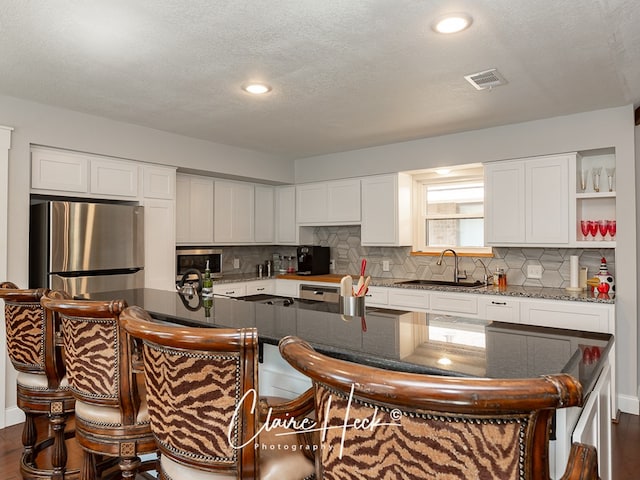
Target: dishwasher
326	294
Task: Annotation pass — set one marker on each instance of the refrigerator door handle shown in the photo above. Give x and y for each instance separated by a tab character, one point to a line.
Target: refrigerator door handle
98	273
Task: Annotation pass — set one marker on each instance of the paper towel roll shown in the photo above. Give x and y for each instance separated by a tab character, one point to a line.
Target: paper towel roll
574	272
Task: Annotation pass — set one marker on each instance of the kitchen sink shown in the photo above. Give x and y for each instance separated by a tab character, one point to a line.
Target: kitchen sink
442	283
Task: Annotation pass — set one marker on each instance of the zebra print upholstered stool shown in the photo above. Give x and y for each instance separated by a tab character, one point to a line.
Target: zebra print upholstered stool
42	388
203	404
111	408
405	425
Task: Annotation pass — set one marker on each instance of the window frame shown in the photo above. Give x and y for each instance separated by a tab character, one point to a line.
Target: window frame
471	173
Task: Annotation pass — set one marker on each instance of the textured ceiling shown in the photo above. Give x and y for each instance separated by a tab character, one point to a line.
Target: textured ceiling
346	74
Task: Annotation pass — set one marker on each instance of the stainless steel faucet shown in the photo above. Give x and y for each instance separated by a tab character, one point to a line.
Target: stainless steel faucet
456	273
487	276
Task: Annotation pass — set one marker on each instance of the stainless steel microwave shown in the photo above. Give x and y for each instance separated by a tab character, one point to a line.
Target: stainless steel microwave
196	257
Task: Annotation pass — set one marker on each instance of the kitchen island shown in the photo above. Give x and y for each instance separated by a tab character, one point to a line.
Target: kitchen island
414	342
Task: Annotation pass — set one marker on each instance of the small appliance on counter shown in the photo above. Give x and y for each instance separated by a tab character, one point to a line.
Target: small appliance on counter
313	260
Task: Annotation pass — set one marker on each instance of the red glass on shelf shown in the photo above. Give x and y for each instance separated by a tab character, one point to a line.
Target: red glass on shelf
584	227
593	228
611	228
603	226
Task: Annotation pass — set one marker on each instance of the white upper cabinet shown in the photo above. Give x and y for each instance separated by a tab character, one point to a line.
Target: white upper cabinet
110	177
328	203
286	227
234	212
264	214
527	201
159	182
343	201
58	170
194	210
386	210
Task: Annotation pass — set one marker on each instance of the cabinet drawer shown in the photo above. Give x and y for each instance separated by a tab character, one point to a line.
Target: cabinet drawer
405	298
572	315
260	287
230	290
454	302
502	309
377	296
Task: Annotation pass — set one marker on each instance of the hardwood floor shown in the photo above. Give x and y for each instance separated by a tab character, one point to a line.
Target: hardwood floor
625	439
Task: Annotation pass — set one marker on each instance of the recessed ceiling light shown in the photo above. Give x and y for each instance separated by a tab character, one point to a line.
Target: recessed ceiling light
452	23
256	88
443	171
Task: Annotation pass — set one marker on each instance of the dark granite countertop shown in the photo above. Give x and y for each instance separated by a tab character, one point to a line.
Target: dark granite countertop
396	340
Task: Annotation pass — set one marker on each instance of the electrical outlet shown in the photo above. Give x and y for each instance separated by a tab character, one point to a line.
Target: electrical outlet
534	271
332	265
385	265
236	263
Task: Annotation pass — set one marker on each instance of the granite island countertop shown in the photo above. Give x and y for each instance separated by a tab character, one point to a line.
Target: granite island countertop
396	340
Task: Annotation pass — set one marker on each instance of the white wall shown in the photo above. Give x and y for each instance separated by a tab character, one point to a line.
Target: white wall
586	131
38	124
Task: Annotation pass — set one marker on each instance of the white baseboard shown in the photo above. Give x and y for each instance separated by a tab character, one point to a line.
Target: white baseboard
628	404
13	416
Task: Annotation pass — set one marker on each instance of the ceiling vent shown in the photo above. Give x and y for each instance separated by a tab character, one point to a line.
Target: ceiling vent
487	79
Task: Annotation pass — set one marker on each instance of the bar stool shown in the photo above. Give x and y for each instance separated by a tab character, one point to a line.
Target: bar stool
111	409
34	348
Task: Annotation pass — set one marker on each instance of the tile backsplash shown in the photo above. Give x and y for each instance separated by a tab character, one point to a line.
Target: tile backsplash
348	253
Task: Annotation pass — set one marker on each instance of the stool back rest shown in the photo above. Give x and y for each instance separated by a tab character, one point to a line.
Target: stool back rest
97	355
422	426
31	333
196	382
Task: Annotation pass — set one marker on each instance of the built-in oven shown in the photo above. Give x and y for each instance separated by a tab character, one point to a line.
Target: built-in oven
196	258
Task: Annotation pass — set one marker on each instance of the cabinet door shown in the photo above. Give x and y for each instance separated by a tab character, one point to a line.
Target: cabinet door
504	202
311	203
200	210
571	315
343	201
230	290
547	200
114	178
286	215
52	170
159	244
159	182
264	214
454	303
234	214
409	298
183	206
594	425
386	210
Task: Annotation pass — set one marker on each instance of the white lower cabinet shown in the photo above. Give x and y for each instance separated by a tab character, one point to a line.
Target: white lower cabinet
377	297
574	315
458	303
261	287
499	308
230	289
594	426
408	299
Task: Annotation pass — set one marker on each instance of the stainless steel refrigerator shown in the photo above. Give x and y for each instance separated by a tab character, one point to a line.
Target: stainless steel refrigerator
86	247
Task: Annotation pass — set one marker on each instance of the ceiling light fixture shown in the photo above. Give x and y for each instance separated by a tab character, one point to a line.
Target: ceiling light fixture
443	171
452	23
256	88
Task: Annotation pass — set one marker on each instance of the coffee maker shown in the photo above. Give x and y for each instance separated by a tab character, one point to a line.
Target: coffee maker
313	260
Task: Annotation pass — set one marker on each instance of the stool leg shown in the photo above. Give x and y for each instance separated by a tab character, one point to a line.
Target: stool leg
59	453
29	436
129	467
88	470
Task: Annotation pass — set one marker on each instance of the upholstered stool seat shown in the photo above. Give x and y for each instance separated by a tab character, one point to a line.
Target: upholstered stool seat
33	345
